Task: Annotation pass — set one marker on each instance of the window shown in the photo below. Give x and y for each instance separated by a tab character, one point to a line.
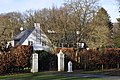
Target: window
44	43
30	43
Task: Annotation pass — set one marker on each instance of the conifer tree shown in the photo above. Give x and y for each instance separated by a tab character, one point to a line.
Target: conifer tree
117	35
100	34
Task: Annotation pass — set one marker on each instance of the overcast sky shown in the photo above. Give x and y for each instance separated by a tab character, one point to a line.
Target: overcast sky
23	5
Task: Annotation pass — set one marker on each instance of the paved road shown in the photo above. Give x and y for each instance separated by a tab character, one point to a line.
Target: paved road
94	76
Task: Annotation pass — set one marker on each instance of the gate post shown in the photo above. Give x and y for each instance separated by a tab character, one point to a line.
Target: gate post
69	66
60	56
34	63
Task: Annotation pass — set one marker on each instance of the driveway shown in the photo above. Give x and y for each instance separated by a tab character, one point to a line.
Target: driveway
93	76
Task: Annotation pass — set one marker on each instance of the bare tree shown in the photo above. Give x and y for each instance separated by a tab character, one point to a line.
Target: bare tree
29	18
82	12
9	24
60	24
63	22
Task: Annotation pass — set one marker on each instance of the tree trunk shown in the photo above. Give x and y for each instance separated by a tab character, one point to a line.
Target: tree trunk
79	59
85	67
118	65
102	66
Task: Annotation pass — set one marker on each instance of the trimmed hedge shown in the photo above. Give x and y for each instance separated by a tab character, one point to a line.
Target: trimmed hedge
94	59
19	58
15	60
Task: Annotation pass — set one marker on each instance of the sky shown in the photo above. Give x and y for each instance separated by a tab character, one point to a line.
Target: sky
112	8
23	5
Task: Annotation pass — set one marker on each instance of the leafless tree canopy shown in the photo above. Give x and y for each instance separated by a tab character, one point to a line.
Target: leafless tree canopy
60	24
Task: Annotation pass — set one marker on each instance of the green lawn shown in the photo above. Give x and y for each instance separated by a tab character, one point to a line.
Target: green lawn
42	76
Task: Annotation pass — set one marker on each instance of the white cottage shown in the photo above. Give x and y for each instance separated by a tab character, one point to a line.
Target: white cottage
35	37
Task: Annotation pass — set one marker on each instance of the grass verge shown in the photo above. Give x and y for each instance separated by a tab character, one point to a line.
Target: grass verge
43	76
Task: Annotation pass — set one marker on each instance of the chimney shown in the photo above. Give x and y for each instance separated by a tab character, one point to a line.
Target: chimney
37	25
